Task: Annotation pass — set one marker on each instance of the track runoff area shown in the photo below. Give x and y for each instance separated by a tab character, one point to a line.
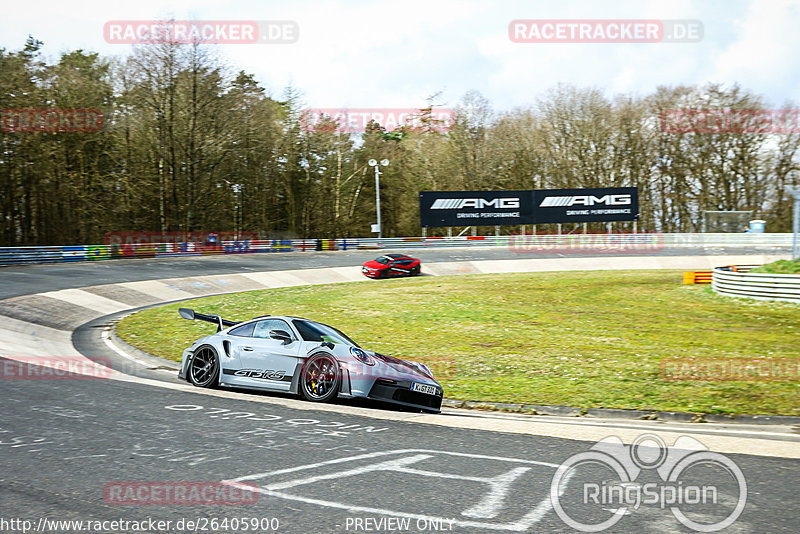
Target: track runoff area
141	447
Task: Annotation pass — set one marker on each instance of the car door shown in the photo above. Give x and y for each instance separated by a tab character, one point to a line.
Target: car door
400	267
266	362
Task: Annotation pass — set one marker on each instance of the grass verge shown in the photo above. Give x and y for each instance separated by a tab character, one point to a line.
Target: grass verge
779	267
586	339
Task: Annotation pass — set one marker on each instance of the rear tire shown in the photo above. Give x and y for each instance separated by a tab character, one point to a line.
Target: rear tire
320	378
415	271
203	370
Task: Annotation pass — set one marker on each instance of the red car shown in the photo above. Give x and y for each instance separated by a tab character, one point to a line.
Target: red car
391	265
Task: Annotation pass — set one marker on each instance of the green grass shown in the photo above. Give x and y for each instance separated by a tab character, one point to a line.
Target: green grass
779	267
586	339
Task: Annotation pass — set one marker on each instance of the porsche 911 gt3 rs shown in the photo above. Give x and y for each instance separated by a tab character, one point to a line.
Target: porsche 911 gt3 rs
296	355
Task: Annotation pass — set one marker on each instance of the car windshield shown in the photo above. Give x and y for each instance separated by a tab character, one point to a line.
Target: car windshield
311	331
383	260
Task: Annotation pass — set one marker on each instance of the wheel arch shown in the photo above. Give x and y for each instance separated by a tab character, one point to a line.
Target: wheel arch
294	387
299	376
217	351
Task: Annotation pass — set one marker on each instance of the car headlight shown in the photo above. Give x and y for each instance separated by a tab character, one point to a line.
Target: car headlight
361	356
423	367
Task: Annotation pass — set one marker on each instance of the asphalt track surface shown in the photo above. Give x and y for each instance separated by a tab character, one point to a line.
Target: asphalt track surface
27	279
70	449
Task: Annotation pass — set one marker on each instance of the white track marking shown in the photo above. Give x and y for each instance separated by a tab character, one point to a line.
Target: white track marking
500	485
106	337
389	465
487	508
384	453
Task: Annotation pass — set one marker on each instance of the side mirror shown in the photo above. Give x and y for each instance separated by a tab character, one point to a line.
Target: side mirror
283	335
186	313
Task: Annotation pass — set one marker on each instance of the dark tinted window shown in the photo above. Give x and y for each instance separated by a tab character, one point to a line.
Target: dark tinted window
311	331
383	260
245	330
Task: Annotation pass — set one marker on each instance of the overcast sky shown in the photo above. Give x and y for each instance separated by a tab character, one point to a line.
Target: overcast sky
361	54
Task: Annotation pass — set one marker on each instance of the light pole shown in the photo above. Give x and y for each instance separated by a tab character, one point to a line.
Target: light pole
374	163
237	214
794	190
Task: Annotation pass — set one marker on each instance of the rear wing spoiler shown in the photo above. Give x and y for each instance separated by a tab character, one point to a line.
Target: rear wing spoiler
188	313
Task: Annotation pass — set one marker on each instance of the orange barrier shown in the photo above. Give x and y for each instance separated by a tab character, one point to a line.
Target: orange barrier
697	277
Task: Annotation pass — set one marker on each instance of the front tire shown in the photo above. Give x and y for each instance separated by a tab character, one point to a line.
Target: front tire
320	378
203	370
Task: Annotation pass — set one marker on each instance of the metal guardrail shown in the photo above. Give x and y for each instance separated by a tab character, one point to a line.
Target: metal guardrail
522	244
738	281
607	241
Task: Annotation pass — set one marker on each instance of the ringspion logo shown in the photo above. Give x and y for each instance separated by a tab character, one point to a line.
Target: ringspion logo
593	490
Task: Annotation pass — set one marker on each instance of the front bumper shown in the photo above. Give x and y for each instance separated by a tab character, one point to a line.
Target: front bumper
399	392
370	273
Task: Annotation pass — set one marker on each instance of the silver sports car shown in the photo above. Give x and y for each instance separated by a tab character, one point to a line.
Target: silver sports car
308	358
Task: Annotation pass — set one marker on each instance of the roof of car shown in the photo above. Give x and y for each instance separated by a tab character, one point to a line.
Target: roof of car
395	256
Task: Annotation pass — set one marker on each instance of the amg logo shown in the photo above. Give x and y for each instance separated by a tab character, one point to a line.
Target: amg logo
587	200
458	203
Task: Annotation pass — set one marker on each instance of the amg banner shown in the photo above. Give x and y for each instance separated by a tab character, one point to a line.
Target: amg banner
490	208
586	205
475	208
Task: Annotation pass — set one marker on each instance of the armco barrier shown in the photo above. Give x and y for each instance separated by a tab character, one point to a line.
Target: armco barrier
738	281
522	244
18	255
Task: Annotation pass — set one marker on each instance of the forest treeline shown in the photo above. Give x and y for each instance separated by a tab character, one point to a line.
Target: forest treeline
188	144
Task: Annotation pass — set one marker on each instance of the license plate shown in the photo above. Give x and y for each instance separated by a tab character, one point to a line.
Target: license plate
424	388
